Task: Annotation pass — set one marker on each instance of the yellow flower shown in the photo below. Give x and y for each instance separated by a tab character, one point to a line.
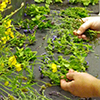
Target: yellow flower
8	31
2	65
18	67
8	38
7	23
6	83
2	6
4	39
12	60
11	34
1	47
9	1
4	42
54	70
54	67
6	1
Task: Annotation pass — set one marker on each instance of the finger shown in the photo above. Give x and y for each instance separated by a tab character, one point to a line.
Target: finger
84	27
75	32
79	36
86	19
64	85
70	76
62	77
83	20
70	71
84	37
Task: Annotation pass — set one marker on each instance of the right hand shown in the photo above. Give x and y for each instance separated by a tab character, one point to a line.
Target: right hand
82	84
89	22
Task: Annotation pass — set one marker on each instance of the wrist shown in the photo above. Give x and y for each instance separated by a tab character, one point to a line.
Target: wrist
96	90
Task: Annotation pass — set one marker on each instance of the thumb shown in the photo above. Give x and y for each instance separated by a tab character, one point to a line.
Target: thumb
84	27
70	71
86	19
64	85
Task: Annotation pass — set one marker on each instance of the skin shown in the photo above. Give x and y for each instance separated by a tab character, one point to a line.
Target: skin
89	22
83	84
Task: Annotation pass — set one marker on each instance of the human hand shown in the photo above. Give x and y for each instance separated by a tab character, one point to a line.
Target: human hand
89	22
81	84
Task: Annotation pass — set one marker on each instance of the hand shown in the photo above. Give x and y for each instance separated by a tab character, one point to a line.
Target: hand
89	22
81	84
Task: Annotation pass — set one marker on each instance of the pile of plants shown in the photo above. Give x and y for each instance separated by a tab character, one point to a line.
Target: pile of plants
17	59
84	2
38	18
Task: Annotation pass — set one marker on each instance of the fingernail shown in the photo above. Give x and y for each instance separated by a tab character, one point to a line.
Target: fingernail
78	32
67	74
75	31
62	76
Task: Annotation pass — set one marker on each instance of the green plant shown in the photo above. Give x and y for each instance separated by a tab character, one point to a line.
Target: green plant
48	1
75	12
54	69
25	54
38	17
85	2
